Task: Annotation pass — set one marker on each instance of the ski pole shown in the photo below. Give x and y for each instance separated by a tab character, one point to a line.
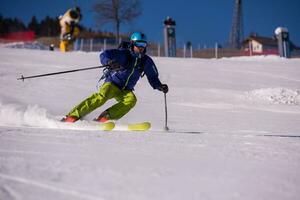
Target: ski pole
166	113
62	72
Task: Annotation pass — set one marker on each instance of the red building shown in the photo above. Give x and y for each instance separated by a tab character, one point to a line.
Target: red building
257	45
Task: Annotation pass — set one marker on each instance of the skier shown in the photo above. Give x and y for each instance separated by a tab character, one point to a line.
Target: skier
126	66
69	28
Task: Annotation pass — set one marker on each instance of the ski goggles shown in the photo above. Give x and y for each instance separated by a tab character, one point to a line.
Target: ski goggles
140	44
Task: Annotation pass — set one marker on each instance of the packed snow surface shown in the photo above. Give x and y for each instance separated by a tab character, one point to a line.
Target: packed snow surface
234	131
25	45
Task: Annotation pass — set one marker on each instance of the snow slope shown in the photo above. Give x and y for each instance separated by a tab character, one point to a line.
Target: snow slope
235	131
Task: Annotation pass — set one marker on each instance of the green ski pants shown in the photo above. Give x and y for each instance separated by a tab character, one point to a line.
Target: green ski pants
125	98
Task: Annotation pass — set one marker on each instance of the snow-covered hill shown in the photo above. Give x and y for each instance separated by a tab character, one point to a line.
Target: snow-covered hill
235	130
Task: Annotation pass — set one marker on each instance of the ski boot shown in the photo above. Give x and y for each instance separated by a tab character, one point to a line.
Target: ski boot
103	117
69	119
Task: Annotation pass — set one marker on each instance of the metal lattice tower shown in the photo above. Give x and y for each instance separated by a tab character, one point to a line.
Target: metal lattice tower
237	30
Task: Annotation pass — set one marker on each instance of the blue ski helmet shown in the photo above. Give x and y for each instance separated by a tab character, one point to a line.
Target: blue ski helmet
139	39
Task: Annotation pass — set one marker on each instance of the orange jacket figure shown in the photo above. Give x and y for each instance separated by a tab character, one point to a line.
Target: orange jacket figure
69	28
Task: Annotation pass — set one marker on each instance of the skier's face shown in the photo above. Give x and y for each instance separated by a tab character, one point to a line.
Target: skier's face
139	49
139	46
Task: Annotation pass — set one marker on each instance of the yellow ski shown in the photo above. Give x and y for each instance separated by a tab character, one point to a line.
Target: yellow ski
144	126
108	126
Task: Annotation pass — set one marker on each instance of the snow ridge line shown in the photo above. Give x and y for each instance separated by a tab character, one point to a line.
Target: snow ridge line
276	95
49	187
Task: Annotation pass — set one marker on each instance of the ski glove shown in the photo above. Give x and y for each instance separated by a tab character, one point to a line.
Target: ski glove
164	88
68	37
113	65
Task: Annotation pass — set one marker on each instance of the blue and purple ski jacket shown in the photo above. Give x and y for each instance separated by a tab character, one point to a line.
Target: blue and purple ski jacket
131	69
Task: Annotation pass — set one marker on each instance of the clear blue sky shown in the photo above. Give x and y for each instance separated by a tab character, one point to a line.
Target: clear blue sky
203	22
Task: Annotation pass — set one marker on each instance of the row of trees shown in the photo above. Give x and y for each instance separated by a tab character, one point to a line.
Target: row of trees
116	12
47	27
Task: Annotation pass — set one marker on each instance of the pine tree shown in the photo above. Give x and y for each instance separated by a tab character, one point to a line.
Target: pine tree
34	25
1	25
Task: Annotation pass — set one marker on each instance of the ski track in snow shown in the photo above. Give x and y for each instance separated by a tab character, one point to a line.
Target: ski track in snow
33	183
234	128
8	193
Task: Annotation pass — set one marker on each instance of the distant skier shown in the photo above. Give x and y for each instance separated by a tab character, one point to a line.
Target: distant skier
69	28
126	66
